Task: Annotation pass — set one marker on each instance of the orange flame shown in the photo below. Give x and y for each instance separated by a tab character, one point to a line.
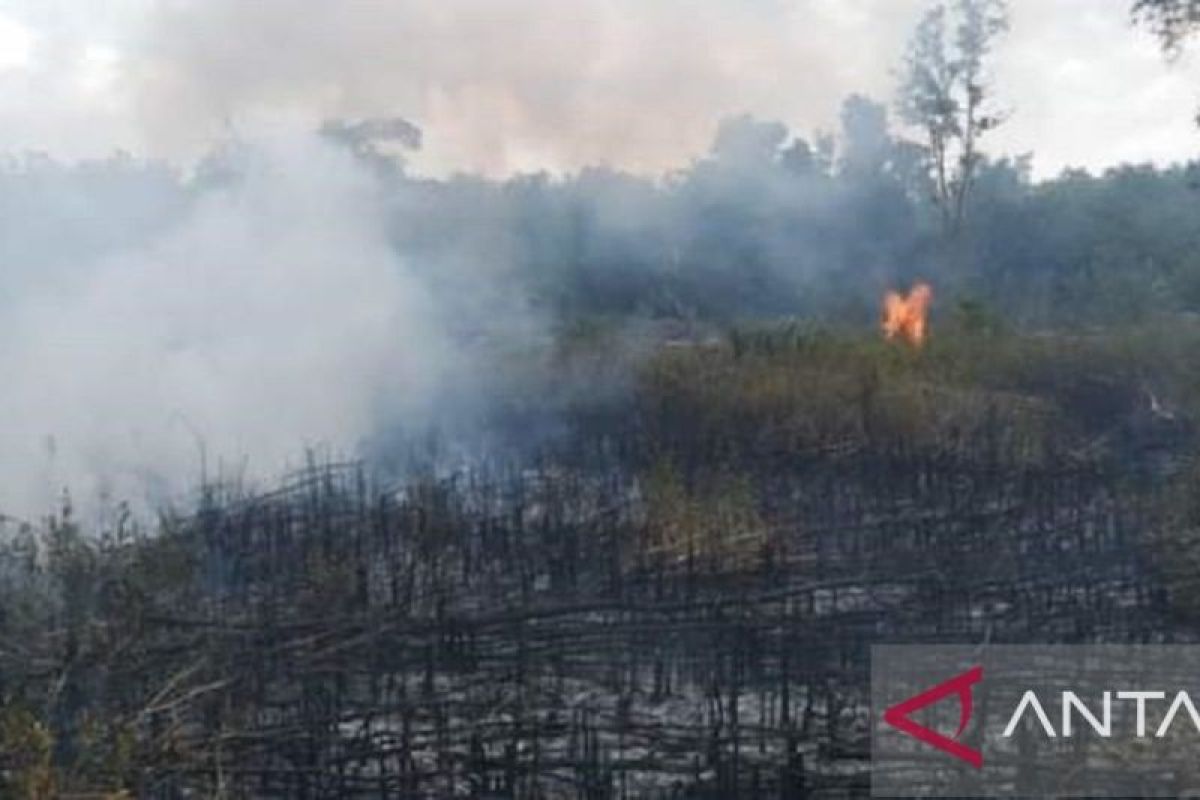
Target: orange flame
907	318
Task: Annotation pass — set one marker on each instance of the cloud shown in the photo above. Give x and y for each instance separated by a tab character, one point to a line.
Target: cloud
1088	89
16	44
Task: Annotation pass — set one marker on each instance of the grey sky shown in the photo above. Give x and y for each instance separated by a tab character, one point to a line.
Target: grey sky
504	85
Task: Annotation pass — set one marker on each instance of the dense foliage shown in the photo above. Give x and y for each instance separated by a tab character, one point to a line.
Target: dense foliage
766	223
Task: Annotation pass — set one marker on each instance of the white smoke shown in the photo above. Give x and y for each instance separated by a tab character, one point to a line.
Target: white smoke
274	315
514	85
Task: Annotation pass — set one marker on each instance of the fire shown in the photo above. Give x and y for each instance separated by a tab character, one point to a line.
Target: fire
907	318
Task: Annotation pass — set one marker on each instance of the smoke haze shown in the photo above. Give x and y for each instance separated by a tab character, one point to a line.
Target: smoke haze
263	315
519	85
344	239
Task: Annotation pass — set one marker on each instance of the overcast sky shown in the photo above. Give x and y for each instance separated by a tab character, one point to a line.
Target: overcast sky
508	85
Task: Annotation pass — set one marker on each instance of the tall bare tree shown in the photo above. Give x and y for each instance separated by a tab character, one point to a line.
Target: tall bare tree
945	91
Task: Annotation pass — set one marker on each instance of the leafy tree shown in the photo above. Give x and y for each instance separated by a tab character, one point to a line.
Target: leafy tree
1171	20
944	91
379	142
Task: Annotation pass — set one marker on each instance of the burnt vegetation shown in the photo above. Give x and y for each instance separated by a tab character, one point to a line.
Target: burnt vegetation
704	494
677	600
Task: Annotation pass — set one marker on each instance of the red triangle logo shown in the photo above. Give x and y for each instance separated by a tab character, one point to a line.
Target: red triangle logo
898	716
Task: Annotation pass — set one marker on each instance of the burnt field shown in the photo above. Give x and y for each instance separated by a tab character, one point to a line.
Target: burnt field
675	599
531	400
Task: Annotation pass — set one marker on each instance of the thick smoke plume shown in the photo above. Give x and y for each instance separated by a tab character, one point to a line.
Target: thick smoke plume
263	313
502	86
164	325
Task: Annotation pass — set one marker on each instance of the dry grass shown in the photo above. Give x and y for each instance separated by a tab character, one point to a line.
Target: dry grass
1029	397
715	522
